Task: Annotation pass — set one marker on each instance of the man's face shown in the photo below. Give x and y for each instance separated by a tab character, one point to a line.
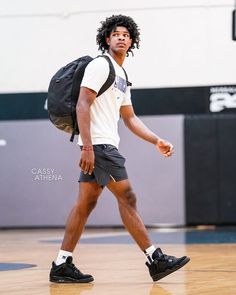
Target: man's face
119	40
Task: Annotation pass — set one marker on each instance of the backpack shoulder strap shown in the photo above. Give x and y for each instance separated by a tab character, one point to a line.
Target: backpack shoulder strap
110	78
126	77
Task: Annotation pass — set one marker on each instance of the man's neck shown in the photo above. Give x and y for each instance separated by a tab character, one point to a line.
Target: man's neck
119	58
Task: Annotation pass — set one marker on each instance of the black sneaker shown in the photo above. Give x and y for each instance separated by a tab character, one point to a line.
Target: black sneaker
68	273
163	265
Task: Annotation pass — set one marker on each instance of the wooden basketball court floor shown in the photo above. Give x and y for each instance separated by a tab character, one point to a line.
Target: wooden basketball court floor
117	264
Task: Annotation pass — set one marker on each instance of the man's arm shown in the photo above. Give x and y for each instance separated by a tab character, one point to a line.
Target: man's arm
140	129
86	98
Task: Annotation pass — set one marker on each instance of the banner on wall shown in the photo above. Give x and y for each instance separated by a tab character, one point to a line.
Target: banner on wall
149	101
185	100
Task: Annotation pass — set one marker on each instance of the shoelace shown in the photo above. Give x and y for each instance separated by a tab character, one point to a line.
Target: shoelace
72	266
165	257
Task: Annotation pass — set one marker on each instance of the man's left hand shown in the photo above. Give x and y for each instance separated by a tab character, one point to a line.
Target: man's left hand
165	148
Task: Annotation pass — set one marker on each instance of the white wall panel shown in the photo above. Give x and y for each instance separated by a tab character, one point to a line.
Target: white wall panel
184	43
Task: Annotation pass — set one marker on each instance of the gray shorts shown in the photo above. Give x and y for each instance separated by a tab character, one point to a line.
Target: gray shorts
109	165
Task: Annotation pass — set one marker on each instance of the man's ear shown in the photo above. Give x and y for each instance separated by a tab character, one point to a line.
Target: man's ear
108	41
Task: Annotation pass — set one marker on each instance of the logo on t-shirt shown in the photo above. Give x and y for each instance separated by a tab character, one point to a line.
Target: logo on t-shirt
120	84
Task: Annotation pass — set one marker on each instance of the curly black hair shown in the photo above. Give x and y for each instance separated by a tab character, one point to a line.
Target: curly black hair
110	24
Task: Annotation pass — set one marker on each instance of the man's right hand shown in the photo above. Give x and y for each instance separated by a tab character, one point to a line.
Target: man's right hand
87	160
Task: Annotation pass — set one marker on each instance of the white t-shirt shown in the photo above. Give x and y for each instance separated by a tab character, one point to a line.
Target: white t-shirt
105	110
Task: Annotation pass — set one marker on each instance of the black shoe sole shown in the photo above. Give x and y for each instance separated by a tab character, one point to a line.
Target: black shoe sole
56	279
161	275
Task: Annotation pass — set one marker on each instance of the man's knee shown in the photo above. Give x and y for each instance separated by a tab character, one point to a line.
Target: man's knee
129	198
85	206
91	205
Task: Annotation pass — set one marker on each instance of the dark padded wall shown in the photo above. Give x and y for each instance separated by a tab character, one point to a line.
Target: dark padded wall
210	164
201	173
227	168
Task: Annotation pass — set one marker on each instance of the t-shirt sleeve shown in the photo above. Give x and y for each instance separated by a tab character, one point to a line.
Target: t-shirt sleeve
96	74
127	98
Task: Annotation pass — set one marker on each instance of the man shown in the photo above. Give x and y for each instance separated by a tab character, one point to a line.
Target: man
100	162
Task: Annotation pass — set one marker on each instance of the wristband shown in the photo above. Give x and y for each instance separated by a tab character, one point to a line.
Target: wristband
87	148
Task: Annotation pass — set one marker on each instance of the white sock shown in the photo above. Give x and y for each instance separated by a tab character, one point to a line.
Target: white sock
62	255
149	251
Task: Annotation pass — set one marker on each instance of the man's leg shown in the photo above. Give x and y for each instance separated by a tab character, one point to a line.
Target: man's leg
159	264
128	212
87	199
63	270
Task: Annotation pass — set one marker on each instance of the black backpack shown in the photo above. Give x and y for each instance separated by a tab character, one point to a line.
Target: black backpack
64	89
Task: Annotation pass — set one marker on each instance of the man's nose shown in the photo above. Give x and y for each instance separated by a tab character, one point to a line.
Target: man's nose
121	38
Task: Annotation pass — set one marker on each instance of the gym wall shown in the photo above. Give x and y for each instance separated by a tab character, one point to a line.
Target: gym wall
184	89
